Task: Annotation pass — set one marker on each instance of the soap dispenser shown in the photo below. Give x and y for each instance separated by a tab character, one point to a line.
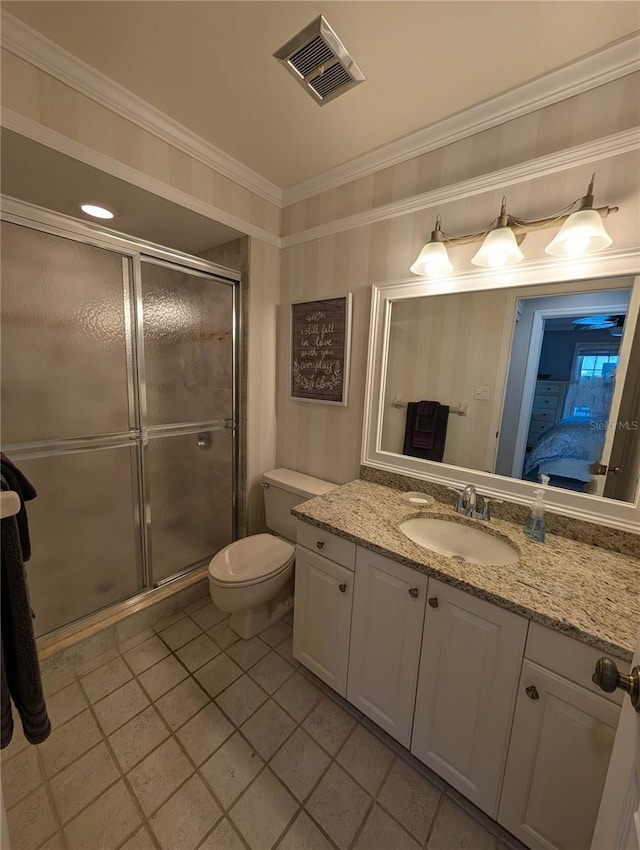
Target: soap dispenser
534	526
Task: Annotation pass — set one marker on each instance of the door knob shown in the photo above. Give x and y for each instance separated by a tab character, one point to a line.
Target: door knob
413	592
342	588
608	678
532	692
319	544
433	601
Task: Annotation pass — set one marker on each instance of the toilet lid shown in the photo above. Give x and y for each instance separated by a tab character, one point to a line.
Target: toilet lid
252	558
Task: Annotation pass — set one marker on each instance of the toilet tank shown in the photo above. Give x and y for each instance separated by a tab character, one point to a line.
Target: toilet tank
285	489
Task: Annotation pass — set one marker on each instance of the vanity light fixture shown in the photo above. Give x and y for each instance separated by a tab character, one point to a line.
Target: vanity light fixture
582	232
433	260
96	211
500	246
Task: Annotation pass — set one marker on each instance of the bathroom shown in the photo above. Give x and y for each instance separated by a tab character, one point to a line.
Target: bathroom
319	230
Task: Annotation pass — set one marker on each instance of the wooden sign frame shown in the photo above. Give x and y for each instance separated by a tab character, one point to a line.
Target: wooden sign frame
319	349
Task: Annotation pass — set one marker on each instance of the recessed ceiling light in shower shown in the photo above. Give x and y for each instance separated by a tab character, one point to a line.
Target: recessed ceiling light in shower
96	211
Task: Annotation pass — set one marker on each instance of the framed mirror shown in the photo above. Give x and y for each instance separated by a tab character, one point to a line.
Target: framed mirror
513	379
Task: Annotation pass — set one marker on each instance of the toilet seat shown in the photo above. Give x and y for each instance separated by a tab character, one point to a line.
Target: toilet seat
251	560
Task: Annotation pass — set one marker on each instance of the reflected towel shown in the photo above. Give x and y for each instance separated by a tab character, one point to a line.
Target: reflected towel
436	452
424	427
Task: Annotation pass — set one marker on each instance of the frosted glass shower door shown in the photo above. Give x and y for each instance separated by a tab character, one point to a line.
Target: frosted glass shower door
69	419
188	415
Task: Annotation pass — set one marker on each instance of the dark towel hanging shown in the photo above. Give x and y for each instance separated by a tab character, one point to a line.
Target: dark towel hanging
421	442
21	681
424	427
14	480
24	487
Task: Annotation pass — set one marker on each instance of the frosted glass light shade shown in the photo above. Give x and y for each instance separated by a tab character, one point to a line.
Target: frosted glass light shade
498	249
433	261
582	233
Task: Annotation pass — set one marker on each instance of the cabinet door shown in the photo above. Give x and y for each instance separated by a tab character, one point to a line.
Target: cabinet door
558	756
386	632
322	617
471	657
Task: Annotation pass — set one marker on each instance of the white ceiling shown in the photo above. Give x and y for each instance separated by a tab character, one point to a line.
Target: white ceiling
209	65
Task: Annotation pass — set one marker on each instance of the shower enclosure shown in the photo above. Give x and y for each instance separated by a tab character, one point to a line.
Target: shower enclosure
119	403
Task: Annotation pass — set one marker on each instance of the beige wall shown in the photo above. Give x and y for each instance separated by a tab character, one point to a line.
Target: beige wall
326	441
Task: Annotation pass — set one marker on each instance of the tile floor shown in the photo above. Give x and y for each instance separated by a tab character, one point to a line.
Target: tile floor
187	737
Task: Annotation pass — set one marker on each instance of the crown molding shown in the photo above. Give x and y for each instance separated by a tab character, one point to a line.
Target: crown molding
614	61
33	47
63	144
610	146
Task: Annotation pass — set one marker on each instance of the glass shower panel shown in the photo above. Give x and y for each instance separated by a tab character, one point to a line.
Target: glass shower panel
190	479
64	352
84	534
188	342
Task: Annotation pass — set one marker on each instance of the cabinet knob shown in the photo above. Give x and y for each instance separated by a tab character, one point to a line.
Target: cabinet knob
532	692
319	544
342	588
413	592
433	601
607	677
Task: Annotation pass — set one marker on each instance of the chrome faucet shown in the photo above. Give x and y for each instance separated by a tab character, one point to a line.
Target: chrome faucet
466	503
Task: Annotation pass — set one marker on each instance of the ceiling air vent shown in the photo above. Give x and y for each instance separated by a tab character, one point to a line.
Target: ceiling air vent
319	61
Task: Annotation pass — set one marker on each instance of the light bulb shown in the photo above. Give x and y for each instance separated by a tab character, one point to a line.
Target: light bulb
576	245
433	261
499	248
96	211
582	233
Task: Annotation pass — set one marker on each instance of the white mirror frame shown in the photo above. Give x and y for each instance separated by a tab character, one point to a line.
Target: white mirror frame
609	512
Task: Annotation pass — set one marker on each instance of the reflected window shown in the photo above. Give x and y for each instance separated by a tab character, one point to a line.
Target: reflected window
597	365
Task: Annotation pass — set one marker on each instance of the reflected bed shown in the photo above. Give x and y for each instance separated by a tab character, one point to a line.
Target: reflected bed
567	449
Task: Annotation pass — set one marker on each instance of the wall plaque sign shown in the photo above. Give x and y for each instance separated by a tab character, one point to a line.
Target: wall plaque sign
320	344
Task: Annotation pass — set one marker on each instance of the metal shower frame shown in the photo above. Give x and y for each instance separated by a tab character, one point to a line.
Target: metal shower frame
134	253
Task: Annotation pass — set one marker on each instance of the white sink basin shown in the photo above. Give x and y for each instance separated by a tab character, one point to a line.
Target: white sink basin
459	541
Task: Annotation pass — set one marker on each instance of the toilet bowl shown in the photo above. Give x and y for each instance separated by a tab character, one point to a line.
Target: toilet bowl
252	578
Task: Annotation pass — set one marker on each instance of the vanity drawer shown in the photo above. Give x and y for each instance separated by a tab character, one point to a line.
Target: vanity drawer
569	658
329	545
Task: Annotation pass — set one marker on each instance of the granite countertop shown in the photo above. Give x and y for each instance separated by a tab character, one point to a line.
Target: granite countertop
588	593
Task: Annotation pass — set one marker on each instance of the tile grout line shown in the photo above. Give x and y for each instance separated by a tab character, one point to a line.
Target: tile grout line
173	734
122	778
432	825
237	730
50	799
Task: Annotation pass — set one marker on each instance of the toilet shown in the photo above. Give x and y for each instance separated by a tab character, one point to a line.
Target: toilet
252	578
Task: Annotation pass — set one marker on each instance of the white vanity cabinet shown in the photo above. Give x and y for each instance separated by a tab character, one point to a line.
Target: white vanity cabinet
503	709
386	633
469	670
560	746
323	597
